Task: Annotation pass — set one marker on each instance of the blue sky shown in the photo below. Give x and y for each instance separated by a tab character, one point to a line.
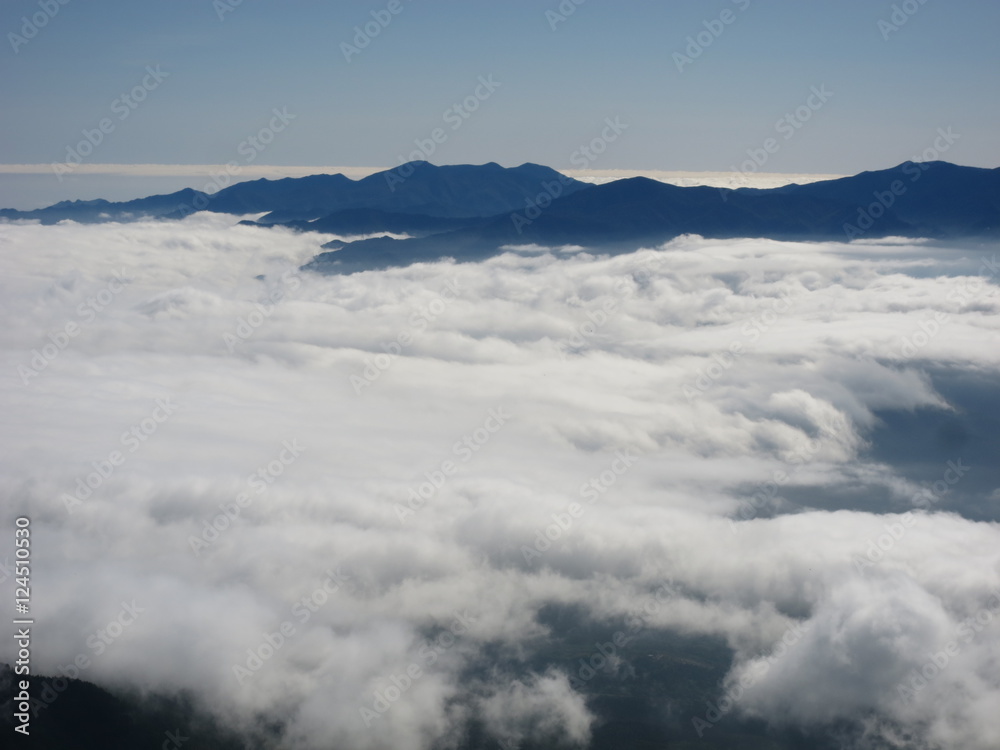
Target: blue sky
557	85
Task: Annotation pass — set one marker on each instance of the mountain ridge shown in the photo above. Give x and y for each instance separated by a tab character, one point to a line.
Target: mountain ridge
448	192
934	200
470	212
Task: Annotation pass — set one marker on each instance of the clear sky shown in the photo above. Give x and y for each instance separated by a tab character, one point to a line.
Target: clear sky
890	88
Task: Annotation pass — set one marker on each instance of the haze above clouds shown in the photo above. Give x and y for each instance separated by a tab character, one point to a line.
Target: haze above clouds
660	391
30	186
562	68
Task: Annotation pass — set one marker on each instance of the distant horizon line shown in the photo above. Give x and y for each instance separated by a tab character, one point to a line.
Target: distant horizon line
191	173
120	182
153	169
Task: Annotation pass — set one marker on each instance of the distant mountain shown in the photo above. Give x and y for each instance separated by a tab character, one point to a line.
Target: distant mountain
469	212
374	221
416	188
935	200
96	211
291	197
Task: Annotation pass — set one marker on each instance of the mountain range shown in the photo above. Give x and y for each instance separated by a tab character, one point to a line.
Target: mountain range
470	212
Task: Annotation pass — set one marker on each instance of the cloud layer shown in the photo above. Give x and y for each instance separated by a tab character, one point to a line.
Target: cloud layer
346	504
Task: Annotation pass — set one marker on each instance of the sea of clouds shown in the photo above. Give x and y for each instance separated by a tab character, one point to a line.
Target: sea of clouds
340	503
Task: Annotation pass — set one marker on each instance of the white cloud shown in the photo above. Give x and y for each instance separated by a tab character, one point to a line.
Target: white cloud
817	326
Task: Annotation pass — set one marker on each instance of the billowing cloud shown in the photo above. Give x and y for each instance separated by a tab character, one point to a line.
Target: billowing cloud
395	508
